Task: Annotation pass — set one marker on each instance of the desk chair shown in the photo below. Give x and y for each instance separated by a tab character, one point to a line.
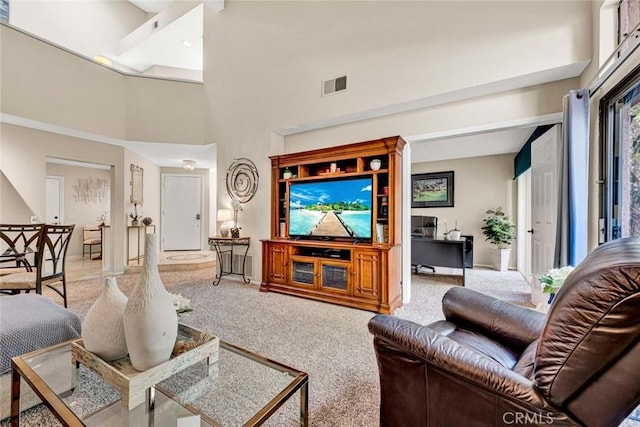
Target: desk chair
91	236
50	264
18	247
424	226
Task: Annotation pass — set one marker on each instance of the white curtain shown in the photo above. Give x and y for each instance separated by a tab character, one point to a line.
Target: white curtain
571	236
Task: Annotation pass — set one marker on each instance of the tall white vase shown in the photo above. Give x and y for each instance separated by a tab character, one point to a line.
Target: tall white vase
103	326
150	319
501	259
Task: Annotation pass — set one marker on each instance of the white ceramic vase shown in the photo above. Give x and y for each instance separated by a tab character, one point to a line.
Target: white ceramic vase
150	319
455	234
103	326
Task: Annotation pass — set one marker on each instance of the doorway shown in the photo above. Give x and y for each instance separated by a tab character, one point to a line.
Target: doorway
54	199
181	224
545	167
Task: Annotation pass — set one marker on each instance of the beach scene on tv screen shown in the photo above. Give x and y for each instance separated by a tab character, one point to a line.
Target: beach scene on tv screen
331	208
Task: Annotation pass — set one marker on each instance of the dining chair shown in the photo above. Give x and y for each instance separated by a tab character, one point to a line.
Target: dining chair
50	264
18	247
91	236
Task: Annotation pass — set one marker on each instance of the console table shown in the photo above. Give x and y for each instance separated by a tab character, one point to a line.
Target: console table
226	245
137	231
440	253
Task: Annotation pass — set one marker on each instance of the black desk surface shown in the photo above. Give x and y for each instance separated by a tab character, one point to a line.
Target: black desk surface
438	253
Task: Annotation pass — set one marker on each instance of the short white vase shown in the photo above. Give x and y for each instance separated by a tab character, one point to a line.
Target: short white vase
150	319
103	326
455	234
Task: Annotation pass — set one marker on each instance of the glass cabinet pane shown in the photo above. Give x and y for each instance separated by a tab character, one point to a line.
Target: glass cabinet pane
334	276
303	272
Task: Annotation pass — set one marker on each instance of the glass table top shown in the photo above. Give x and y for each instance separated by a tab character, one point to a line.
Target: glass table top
243	388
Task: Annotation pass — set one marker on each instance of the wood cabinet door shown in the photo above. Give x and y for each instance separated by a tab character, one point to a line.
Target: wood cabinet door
335	276
304	271
366	273
278	261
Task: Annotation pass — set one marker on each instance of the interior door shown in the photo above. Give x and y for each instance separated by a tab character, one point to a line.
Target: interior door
545	160
524	241
54	199
182	212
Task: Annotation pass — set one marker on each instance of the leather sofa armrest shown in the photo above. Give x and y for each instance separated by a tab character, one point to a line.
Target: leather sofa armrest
512	325
436	350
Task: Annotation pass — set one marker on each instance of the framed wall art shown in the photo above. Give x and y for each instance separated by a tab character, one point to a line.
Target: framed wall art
432	190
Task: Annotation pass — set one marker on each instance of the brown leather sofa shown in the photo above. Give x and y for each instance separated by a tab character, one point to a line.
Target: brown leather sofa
491	363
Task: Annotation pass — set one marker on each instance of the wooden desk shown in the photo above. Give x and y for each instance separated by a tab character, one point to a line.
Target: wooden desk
438	253
138	230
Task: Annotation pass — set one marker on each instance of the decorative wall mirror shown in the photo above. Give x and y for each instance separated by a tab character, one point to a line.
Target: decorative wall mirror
136	184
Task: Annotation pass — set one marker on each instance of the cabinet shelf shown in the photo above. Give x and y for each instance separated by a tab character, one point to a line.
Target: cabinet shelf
333	175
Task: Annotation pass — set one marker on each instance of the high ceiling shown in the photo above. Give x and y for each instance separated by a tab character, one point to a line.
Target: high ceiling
177	45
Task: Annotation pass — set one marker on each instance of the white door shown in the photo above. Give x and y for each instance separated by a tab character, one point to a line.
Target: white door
181	212
54	200
523	240
545	160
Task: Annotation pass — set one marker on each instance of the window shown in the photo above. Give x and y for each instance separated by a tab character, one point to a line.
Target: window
628	19
621	160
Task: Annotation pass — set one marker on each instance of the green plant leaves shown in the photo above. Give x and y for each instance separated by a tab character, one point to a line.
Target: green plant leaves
498	228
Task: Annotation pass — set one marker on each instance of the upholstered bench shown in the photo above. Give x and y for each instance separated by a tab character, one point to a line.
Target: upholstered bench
29	322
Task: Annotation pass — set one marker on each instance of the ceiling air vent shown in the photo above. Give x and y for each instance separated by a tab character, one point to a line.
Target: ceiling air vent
329	87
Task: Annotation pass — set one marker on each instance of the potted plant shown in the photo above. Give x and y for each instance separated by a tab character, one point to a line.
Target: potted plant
553	280
500	231
455	233
135	218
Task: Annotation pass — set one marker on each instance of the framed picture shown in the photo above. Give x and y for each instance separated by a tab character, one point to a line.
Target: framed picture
432	190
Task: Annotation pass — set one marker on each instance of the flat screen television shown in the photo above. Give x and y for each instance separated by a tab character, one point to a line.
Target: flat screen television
337	208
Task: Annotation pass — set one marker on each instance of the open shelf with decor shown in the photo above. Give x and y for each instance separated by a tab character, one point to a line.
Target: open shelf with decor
335	228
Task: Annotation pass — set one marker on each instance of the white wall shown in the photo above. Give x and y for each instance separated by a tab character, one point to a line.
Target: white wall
481	183
80	212
25	149
50	85
14	209
507	106
265	62
151	195
406	51
601	32
87	27
58	89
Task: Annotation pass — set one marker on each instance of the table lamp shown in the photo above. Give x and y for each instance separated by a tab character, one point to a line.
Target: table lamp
224	215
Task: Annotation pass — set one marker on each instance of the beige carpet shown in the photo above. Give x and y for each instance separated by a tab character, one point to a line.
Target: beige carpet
329	342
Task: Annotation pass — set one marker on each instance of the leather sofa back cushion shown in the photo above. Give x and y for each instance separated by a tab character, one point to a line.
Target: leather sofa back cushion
592	322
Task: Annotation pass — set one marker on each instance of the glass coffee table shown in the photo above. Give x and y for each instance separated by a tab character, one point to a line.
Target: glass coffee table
243	389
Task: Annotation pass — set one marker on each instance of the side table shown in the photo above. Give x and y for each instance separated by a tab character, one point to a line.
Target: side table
225	245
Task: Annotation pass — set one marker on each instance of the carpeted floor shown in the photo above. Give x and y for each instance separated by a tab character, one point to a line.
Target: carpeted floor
329	342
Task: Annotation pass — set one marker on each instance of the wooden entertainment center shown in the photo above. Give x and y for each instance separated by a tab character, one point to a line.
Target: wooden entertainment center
361	272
